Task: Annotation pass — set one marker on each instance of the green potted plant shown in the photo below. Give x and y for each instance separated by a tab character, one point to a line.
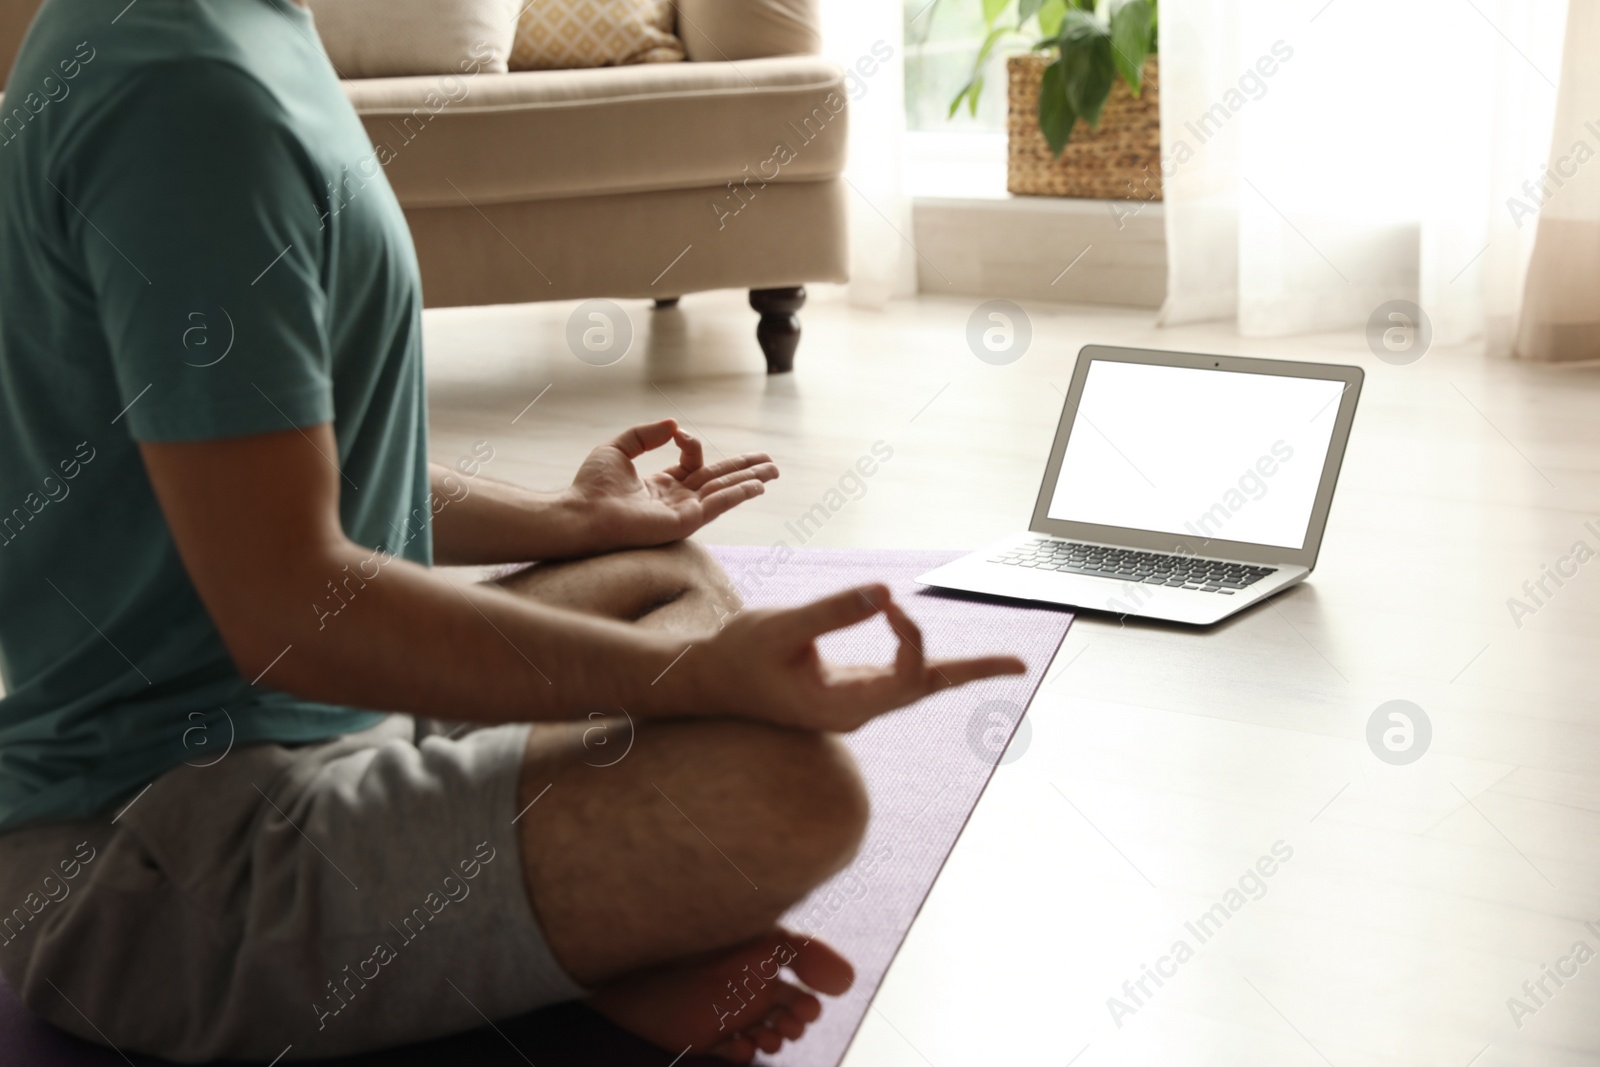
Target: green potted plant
1090	62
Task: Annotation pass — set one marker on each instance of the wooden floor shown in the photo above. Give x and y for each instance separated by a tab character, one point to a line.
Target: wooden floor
1163	763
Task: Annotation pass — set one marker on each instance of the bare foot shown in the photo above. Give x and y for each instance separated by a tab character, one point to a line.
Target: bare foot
729	1003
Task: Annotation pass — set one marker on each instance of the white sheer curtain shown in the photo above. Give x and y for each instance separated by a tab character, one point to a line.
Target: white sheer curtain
866	38
1560	319
1326	156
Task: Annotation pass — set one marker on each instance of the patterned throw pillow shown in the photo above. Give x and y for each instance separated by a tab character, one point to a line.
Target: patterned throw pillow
564	34
390	38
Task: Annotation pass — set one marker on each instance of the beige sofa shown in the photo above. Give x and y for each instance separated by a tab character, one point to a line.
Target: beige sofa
649	181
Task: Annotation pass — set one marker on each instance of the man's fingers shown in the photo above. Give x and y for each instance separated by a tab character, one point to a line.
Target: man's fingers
696	479
944	673
872	690
865	691
637	440
845	608
691	456
908	663
726	499
764	472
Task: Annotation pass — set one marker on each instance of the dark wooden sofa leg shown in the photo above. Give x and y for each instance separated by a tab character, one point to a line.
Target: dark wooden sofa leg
778	332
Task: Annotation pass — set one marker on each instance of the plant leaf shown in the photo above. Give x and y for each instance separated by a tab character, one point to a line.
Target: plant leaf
1051	12
955	101
988	46
992	10
1056	115
1026	9
1079	25
969	95
974	87
982	58
1130	41
1089	72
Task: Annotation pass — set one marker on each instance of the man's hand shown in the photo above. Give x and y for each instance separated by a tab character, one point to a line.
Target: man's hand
764	665
619	509
607	507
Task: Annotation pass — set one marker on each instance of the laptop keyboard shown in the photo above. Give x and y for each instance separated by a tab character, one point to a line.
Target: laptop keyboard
1132	565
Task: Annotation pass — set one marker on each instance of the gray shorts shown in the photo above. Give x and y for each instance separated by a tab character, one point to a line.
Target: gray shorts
313	900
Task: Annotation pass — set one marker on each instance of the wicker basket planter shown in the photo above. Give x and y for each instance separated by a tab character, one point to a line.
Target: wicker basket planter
1120	160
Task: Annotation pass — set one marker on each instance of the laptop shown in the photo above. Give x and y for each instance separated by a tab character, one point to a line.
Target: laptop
1180	486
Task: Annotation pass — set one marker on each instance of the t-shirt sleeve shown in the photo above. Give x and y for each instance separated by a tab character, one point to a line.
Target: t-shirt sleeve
197	214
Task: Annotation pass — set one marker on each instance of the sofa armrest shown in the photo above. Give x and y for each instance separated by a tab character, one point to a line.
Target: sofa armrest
719	30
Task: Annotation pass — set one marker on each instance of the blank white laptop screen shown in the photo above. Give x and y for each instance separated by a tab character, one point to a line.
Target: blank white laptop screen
1199	453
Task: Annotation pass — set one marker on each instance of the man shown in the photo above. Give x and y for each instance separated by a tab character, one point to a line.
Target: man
214	552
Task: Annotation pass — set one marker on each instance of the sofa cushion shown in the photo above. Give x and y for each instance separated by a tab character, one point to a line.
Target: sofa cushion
382	38
572	34
497	138
663	243
715	30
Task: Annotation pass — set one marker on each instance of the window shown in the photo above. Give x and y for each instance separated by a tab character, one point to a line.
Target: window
942	38
960	156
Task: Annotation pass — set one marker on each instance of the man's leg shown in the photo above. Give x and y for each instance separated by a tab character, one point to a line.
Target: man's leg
699	839
706	831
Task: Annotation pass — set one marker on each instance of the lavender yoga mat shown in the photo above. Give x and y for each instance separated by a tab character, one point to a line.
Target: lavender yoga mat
925	767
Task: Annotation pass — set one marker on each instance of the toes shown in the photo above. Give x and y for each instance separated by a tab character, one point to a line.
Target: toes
820	967
766	1040
799	1003
784	1022
735	1049
778	1025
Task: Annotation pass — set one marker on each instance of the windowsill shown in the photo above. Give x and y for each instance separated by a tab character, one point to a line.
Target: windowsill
975	238
955	166
969	169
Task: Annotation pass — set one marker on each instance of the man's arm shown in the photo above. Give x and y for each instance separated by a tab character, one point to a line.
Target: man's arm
608	506
480	520
256	521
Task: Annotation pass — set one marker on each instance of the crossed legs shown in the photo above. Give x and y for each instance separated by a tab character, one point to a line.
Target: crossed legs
659	875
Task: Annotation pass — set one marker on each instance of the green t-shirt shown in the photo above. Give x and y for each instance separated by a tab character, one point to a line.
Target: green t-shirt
196	241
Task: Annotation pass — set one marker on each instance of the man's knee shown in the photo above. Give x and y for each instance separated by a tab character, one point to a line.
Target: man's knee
635	584
832	809
684	574
807	802
697	567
